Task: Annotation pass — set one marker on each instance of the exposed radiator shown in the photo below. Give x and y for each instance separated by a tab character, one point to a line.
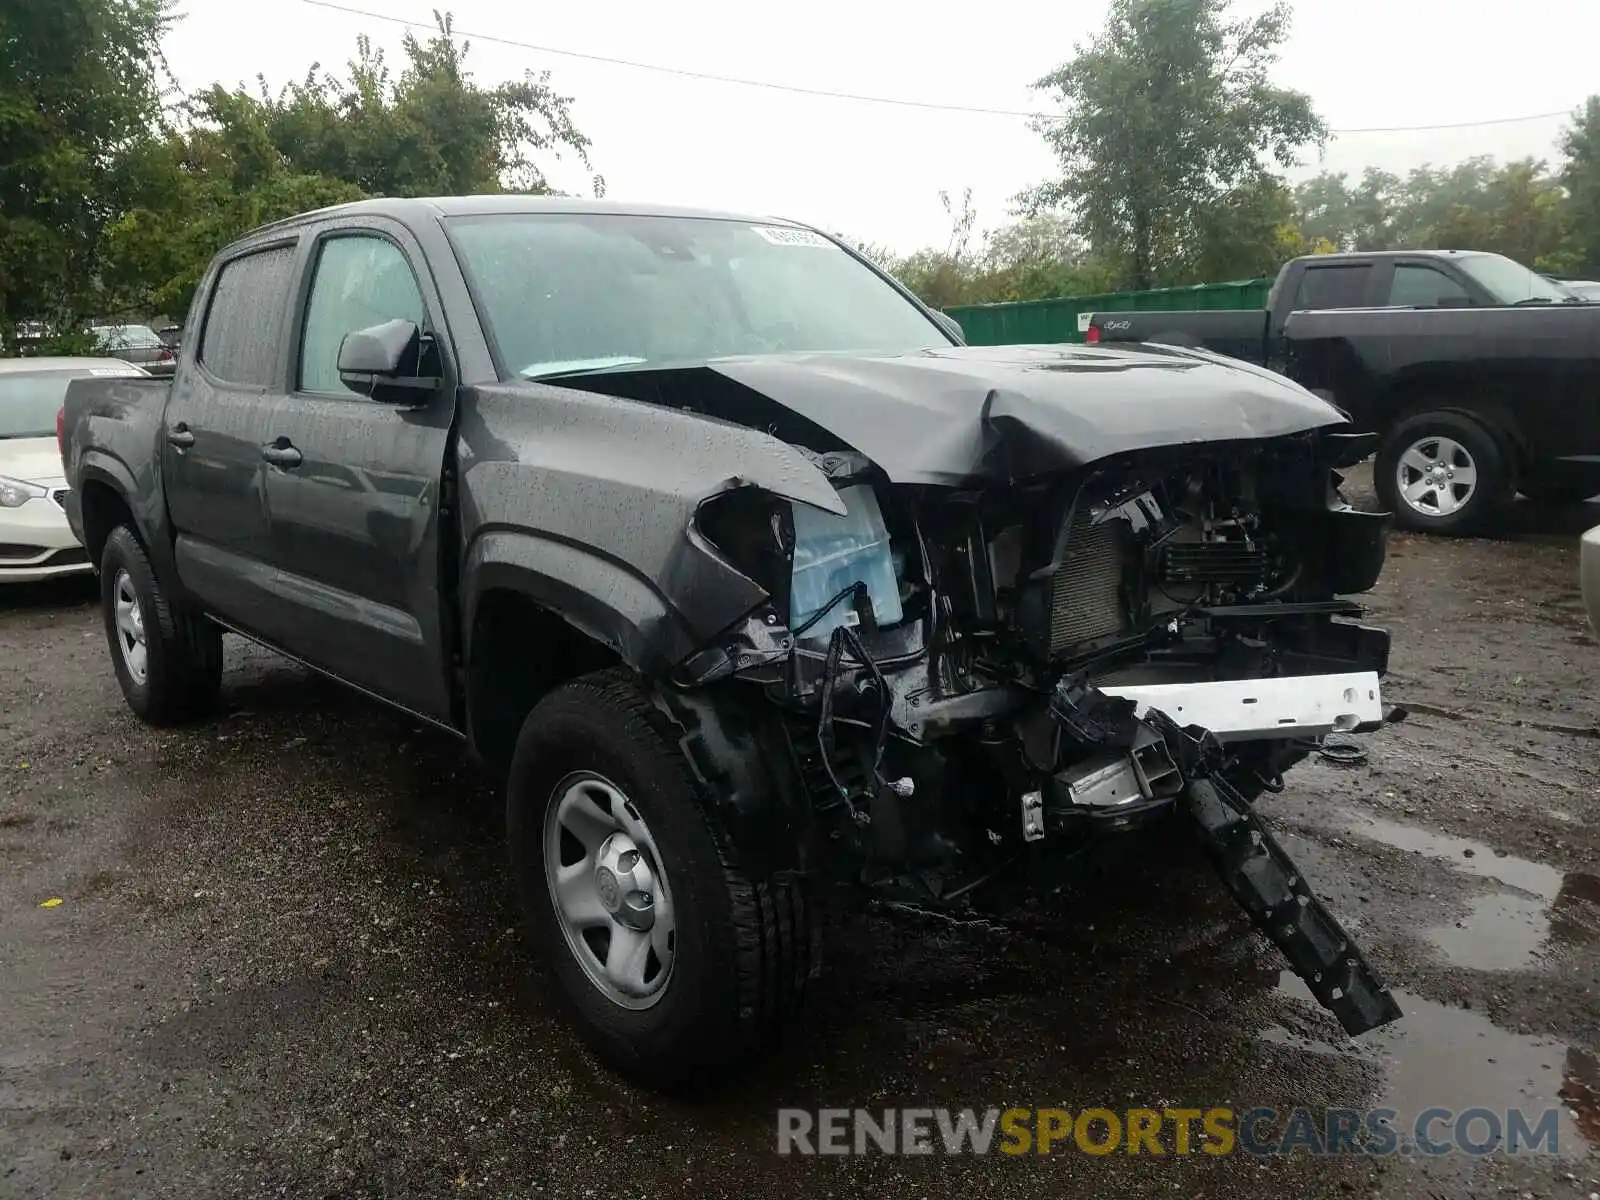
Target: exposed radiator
1086	599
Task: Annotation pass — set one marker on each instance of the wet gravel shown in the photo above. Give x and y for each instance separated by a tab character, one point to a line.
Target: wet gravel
285	961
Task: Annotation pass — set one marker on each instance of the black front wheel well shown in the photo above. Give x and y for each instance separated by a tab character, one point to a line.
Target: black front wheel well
518	651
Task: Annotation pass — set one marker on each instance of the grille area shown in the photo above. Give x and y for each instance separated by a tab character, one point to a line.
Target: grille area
1086	600
1213	562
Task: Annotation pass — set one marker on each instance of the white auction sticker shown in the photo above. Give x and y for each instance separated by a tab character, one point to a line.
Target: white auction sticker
780	235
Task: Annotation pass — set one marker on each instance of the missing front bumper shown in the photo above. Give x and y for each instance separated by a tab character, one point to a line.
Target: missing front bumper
1164	746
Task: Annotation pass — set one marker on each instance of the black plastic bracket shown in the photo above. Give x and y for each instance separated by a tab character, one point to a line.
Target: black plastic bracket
1268	886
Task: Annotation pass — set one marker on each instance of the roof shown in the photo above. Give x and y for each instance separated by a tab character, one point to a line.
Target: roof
1398	254
45	362
420	207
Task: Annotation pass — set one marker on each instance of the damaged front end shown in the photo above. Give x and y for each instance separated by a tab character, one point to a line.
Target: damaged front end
970	684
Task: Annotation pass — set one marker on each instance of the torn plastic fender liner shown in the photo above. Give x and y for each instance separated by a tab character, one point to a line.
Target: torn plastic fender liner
1253	866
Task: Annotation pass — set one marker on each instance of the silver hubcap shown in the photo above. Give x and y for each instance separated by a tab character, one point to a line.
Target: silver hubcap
130	627
1436	476
609	891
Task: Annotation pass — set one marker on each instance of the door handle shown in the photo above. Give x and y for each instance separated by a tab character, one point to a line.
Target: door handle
282	453
180	438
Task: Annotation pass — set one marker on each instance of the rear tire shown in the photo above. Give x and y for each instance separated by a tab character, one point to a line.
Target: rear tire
168	662
731	974
1442	472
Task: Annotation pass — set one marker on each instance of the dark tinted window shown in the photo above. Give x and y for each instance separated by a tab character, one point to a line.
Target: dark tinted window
1416	286
241	341
1333	287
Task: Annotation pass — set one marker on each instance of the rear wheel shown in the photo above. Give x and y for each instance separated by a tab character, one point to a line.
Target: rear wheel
1441	472
676	962
168	662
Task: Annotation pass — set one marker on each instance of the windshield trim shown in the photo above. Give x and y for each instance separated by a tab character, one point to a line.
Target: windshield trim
506	373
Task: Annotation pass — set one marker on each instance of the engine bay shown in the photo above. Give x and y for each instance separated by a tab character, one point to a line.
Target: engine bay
977	686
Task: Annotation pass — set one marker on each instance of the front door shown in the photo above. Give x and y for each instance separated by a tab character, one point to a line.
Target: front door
214	427
353	490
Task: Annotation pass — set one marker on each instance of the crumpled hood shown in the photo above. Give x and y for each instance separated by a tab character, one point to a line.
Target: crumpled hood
947	415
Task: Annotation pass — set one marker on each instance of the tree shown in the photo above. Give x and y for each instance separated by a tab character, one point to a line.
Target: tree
1580	175
1165	113
81	85
237	160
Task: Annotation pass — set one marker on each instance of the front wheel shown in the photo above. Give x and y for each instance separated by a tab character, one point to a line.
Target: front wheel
676	962
1441	472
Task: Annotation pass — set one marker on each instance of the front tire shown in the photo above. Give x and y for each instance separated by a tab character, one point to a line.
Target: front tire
1442	472
168	662
676	962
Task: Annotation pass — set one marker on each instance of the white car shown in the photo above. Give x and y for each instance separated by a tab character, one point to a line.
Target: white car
1589	576
35	540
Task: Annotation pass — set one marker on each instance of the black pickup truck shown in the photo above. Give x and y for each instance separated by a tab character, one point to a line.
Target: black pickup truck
1481	376
759	588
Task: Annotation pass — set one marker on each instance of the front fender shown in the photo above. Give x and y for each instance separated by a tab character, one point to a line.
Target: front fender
599	597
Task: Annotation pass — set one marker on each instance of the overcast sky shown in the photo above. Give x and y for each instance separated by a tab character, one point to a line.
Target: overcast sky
873	170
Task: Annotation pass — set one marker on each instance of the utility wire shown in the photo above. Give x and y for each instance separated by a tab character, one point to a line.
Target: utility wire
795	89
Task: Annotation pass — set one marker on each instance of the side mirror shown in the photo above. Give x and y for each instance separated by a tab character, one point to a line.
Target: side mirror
951	326
395	362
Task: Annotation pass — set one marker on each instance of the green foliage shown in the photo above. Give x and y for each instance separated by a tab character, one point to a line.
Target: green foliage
1518	209
81	84
120	207
1167	114
1580	175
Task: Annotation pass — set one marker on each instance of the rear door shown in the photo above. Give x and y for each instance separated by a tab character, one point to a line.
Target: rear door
354	489
214	427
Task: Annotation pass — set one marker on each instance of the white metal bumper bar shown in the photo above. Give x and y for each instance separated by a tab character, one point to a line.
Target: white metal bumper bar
1239	710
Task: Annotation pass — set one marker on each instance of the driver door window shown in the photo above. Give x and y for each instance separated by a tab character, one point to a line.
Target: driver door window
1424	287
360	281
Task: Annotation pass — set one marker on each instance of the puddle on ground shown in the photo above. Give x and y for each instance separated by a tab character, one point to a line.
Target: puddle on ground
1456	1058
1470	857
1500	931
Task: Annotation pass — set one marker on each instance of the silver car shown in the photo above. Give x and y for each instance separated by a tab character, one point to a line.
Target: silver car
136	344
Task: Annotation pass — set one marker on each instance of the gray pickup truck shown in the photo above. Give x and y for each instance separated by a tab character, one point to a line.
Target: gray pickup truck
761	590
1481	376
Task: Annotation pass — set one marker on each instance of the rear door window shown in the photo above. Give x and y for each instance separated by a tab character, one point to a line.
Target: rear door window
1424	287
242	341
1334	287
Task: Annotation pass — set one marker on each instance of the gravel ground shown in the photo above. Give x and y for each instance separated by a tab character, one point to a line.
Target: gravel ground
285	958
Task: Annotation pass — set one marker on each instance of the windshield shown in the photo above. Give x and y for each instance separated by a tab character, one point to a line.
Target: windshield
29	400
1510	282
126	337
29	403
563	293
